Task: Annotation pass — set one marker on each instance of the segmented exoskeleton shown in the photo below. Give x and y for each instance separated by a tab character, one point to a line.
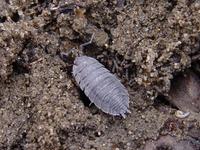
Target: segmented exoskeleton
101	86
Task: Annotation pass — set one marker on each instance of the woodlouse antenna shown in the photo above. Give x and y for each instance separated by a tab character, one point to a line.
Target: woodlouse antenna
81	47
79	52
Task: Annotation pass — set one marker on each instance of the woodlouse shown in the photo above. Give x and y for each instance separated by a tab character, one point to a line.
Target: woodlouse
101	86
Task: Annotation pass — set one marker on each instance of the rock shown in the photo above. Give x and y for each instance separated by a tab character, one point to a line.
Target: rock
184	92
171	143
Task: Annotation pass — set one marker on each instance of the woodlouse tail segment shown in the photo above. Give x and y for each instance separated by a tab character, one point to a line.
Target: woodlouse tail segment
87	43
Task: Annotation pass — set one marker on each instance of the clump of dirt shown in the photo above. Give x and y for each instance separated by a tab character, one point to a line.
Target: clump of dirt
160	38
144	43
13	39
170	143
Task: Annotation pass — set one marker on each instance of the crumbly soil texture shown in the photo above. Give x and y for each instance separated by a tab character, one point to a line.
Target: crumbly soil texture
145	43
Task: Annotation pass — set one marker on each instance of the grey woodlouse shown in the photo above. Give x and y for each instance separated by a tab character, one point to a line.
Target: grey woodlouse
101	86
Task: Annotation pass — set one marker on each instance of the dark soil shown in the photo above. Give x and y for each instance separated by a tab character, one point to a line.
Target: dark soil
146	43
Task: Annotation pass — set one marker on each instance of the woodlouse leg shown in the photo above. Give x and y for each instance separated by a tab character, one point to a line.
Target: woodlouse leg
90	104
87	43
123	115
131	82
128	111
115	65
127	74
113	68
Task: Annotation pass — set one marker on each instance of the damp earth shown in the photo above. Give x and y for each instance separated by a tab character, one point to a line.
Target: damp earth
153	47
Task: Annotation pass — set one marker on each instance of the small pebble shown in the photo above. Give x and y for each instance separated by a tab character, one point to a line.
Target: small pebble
181	114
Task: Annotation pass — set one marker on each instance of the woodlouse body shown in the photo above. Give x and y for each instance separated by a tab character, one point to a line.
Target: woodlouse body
100	86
